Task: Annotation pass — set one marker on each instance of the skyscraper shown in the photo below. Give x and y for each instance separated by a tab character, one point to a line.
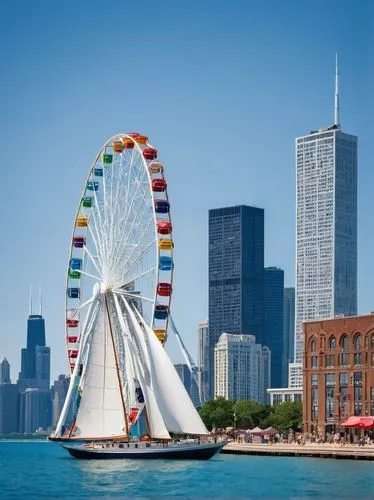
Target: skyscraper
203	359
326	227
273	323
288	327
59	391
236	275
189	382
35	375
4	371
242	368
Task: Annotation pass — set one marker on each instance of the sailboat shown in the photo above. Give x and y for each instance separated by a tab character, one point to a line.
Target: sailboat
108	411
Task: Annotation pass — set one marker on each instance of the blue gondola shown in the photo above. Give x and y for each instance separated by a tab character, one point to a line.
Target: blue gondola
73	293
92	185
161	312
166	263
162	206
76	264
98	172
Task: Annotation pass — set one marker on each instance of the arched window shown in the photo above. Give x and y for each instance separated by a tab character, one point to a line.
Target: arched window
332	344
313	346
357	343
344	343
372	342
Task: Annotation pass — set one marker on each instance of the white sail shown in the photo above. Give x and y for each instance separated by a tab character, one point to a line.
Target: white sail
176	407
101	412
156	424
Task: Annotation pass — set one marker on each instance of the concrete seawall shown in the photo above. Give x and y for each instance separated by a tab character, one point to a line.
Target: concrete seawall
350	452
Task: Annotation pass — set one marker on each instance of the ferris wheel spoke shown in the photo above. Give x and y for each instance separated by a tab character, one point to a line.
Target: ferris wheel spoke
133	295
88	253
141	275
135	220
95	239
128	264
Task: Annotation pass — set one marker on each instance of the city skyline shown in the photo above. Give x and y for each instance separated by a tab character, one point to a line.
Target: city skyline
268	94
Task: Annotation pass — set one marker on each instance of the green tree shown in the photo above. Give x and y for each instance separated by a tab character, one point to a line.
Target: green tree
250	414
217	413
288	415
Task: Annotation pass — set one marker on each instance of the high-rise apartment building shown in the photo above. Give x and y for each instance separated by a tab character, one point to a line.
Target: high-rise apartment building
203	359
4	371
242	368
236	275
59	390
326	227
273	323
288	327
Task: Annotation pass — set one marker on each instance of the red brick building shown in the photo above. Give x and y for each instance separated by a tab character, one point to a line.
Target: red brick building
338	371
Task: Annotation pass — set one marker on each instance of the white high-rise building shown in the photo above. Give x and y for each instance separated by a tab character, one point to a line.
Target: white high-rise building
326	225
242	368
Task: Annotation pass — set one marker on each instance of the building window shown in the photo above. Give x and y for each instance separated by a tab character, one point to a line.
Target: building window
315	379
344	359
357	358
343	379
297	397
358	401
332	344
330	361
372	359
357	378
288	397
329	407
357	343
330	379
372	342
277	399
372	401
343	402
344	344
314	361
314	400
313	346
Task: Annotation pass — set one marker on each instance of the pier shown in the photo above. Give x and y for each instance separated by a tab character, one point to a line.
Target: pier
349	452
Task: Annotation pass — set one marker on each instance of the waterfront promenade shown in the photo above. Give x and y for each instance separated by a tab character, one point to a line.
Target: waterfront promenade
353	452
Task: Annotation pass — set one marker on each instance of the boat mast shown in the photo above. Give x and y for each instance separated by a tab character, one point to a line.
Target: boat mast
117	366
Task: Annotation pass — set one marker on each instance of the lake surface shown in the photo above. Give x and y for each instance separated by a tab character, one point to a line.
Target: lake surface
45	470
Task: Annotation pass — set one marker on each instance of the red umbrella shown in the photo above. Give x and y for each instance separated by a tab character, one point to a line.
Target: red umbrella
359	422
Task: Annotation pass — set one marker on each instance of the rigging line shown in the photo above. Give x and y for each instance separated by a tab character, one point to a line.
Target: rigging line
92	259
135	219
117	367
137	277
128	265
97	210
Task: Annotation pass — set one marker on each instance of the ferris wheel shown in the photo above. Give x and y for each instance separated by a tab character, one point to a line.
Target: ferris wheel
121	247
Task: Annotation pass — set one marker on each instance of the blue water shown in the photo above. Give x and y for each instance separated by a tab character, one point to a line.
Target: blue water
45	470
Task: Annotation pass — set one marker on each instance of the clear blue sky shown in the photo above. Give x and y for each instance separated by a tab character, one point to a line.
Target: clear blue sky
221	88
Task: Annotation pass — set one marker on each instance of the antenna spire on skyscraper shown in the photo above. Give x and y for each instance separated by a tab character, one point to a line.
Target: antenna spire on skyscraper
30	307
41	302
337	117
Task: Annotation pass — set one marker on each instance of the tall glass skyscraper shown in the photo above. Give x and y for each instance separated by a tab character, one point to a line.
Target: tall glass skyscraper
273	323
203	359
326	227
236	275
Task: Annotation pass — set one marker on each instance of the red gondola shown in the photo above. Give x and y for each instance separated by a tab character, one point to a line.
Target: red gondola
164	289
73	354
72	323
150	153
164	227
72	339
158	185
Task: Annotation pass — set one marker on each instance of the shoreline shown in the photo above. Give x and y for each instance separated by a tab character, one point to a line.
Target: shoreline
337	451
